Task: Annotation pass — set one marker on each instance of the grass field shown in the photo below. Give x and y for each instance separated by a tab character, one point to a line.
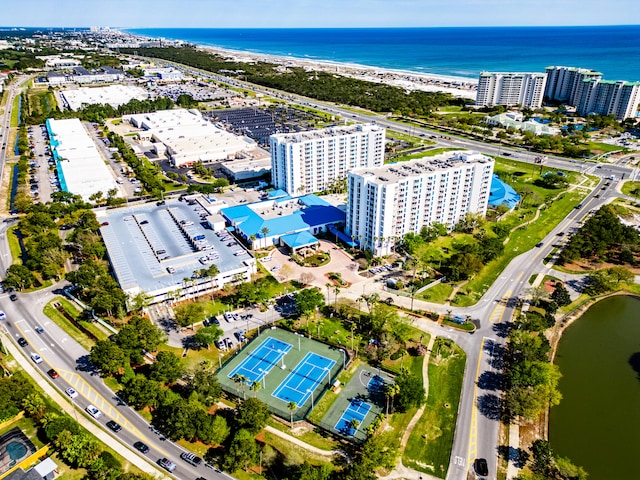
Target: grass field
14	245
629	188
429	446
519	241
15	117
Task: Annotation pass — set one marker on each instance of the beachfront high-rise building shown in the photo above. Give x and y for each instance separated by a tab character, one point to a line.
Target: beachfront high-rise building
564	83
385	203
608	97
309	162
511	88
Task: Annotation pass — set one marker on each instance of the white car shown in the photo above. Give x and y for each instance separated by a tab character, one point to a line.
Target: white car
3	315
36	358
93	411
71	392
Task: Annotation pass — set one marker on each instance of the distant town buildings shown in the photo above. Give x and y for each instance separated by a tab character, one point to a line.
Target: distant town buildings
511	88
386	203
308	162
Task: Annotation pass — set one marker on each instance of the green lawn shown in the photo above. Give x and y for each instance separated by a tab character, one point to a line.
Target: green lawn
15	119
427	153
520	241
603	147
429	447
437	294
312	437
14	245
629	187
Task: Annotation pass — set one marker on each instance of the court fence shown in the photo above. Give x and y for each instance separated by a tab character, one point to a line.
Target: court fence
277	375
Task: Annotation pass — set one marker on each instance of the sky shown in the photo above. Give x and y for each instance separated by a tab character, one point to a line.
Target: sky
314	13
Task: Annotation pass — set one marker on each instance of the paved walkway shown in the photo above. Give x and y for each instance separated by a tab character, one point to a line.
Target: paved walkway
70	409
514	443
401	471
300	443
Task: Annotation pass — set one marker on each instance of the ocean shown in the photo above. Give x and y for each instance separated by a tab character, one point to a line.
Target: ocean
452	51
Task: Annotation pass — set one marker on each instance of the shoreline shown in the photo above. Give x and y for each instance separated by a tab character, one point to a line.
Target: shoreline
463	87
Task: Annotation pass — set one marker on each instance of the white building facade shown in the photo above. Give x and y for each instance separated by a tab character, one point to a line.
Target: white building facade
385	203
309	162
608	97
511	88
563	83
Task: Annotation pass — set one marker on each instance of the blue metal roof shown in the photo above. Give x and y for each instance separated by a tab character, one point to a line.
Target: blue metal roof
300	239
317	212
277	194
502	193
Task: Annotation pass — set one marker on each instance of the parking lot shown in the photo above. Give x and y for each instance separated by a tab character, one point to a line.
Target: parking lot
43	180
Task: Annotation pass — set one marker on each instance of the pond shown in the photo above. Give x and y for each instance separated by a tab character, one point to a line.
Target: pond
597	423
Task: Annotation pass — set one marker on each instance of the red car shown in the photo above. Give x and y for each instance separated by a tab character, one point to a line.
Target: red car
52	373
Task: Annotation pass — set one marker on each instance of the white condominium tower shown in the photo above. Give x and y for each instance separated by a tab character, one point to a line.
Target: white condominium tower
609	97
563	83
511	88
385	203
308	162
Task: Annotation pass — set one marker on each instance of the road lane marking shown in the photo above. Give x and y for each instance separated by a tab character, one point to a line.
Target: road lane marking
473	430
498	311
86	390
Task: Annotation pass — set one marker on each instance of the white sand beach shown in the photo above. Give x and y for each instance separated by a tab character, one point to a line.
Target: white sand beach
457	86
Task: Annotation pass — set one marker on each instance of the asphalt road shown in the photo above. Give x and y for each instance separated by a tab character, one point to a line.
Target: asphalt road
69	359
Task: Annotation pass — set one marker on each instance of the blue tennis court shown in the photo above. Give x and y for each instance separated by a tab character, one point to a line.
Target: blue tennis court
357	410
304	379
376	384
261	360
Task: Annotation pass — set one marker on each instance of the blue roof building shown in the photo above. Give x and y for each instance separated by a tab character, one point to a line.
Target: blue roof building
263	223
502	193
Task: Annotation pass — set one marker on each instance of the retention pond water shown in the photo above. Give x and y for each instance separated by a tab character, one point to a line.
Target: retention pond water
597	424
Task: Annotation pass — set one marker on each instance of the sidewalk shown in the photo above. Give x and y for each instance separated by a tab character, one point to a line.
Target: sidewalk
68	408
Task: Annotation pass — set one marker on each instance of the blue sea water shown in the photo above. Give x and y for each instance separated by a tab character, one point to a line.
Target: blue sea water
456	51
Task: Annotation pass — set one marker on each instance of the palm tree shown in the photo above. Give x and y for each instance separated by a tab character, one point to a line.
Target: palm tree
354	424
328	285
390	391
336	291
255	386
292	406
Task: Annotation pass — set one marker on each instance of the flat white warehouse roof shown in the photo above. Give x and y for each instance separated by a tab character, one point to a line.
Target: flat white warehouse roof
189	137
81	168
114	95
